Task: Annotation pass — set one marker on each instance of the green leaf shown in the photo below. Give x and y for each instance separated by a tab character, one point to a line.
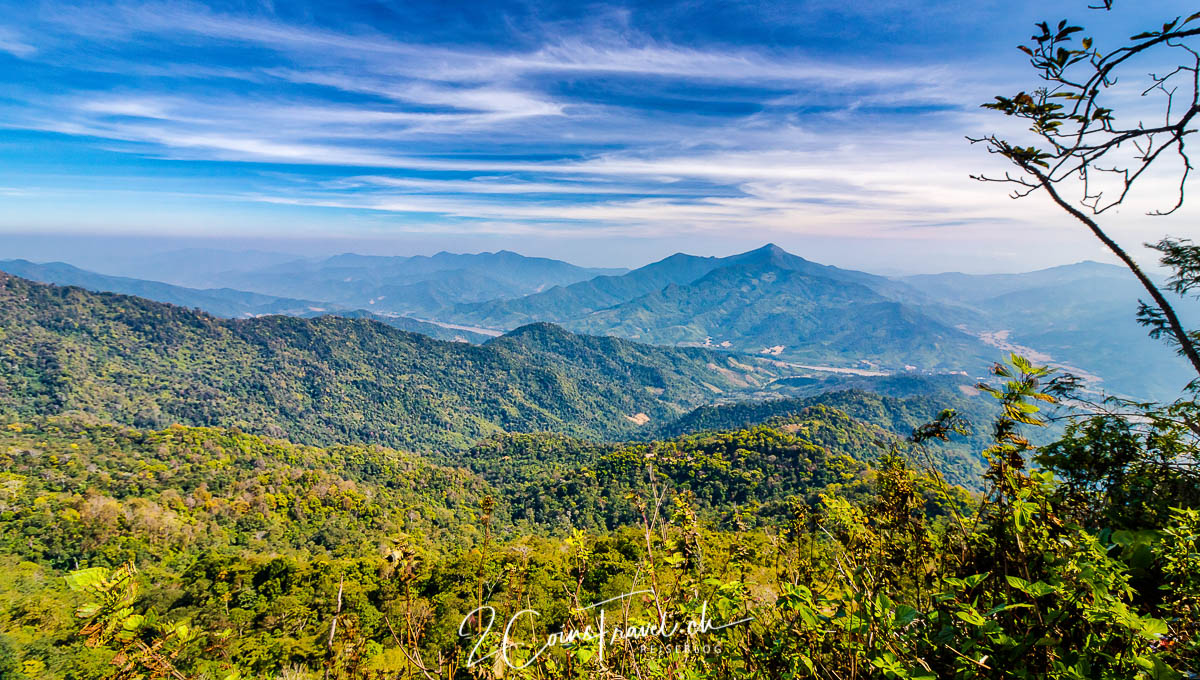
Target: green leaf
905	615
87	611
810	618
976	579
1003	608
1161	671
85	579
972	617
1035	589
1040	589
808	663
883	601
1154	628
1017	582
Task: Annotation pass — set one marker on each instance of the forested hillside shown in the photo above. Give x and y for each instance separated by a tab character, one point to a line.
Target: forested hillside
225	302
763	303
411	325
169	551
256	557
249	539
330	379
112	493
173	551
563	303
959	461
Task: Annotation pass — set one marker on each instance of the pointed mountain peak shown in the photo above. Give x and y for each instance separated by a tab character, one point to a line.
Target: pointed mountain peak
769	255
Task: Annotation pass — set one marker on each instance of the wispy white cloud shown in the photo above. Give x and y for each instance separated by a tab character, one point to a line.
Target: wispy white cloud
12	43
133	20
842	193
509	138
131	107
622	52
484	185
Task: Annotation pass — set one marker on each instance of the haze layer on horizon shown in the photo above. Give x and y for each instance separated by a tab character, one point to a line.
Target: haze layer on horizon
607	134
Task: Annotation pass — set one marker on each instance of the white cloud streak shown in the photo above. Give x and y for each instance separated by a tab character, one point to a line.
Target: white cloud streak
453	132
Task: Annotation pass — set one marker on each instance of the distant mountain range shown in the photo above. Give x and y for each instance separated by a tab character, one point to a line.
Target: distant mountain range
1079	315
412	285
188	267
387	284
565	303
770	301
819	319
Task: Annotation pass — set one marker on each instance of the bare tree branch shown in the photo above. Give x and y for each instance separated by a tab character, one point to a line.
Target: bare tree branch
1077	138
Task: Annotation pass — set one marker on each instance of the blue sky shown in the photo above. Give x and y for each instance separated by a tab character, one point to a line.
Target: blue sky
602	133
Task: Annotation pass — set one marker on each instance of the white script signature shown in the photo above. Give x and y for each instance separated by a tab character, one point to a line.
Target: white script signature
600	632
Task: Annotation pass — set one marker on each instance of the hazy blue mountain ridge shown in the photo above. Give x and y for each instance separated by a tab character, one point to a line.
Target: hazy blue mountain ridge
188	267
562	303
414	284
1080	315
225	302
